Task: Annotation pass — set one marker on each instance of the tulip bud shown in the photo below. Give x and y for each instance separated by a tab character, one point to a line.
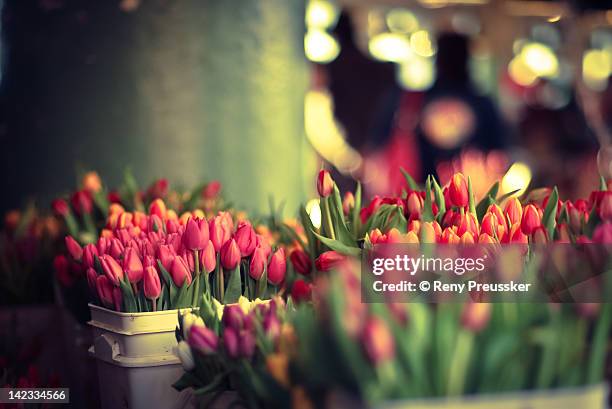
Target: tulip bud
258	263
467	238
209	258
516	235
231	342
81	202
60	207
220	232
211	190
458	191
271	325
540	236
116	248
103	246
158	207
325	183
195	236
514	210
74	249
376	237
277	267
105	291
152	284
531	220
165	254
233	316
190	320
203	339
91	182
348	203
265	245
378	341
89	253
489	225
92	278
301	291
329	260
117	299
230	255
475	316
245	239
414	205
467	223
603	233
112	269
605	206
301	262
564	234
183	351
484	238
180	271
132	265
247	344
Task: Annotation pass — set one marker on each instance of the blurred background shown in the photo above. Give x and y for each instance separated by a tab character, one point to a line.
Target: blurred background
261	94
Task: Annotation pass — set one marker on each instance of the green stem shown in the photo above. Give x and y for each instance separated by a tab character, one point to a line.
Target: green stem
196	292
329	227
460	363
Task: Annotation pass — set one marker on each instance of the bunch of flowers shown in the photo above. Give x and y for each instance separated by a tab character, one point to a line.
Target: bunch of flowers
154	261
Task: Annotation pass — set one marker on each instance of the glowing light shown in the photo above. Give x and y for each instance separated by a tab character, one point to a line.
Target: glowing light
596	67
421	44
320	14
314	211
416	73
554	19
324	134
390	47
320	46
402	21
540	59
521	73
517	177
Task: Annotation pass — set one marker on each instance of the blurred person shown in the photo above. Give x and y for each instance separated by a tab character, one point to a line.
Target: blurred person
419	130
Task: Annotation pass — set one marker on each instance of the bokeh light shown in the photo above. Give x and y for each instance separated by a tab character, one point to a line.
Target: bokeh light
521	73
416	74
421	44
402	21
390	47
321	14
314	212
596	67
540	59
517	178
320	46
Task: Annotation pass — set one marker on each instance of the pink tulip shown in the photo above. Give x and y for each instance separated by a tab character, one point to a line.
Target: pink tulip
231	342
246	239
603	233
180	271
203	339
264	244
195	236
74	248
152	284
89	253
220	232
103	246
132	265
92	278
277	267
230	255
105	291
208	257
166	254
258	263
117	298
155	223
116	248
531	220
112	269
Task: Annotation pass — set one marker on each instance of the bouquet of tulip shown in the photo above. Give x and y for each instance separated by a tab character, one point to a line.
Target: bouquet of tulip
155	261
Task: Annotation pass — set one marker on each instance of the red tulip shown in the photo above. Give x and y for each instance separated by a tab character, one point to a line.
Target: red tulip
475	316
158	189
155	223
92	278
89	253
246	239
195	236
132	265
490	225
103	246
220	232
468	223
264	244
540	235
247	344
203	339
301	262
211	190
414	205
82	202
531	220
60	207
258	263
376	237
179	271
117	298
603	233
152	284
348	203
605	206
516	235
366	212
301	291
230	255
325	183
514	210
209	257
105	291
458	191
116	248
449	236
112	269
172	226
329	260
158	207
277	267
74	248
61	265
231	342
378	341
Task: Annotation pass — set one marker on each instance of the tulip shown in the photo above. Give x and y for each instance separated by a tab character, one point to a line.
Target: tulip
74	249
132	265
258	263
468	223
458	190
377	237
172	226
81	202
195	236
91	182
564	234
414	205
190	320
60	207
230	255
366	212
516	235
271	325
180	271
105	291
117	298
151	284
231	342
116	248
531	220
158	189
348	203
89	253
277	267
540	235
301	291
467	238
247	344
112	269
484	238
165	254
220	232
605	206
514	210
246	239
490	225
211	190
158	207
183	351
325	183
203	339
328	260
430	232
233	317
378	341
414	225
603	233
92	278
449	236
155	223
208	258
475	316
301	262
103	245
265	245
499	214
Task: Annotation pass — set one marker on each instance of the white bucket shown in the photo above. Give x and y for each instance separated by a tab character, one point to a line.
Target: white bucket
136	363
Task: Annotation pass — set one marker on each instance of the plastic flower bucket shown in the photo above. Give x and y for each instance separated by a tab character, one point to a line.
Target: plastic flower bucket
135	361
591	397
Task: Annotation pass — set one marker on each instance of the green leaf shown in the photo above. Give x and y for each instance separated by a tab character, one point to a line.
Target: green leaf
427	213
129	301
506	195
603	186
483	205
356	220
183	297
550	213
471	196
262	284
339	246
234	287
168	279
439	195
309	229
409	180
